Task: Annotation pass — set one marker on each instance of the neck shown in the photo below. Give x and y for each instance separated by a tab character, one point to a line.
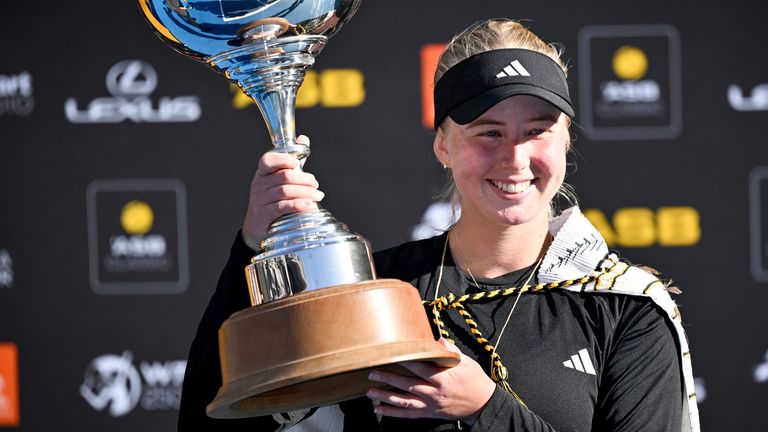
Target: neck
490	251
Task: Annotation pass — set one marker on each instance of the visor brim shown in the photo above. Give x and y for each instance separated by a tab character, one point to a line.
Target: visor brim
470	110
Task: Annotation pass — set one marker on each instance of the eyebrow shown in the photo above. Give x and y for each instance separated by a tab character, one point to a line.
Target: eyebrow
484	122
539	118
545	117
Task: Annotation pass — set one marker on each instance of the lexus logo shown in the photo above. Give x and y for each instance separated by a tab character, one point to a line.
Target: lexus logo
131	78
131	84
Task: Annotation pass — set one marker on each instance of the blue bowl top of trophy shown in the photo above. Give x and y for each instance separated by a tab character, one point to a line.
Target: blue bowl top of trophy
204	28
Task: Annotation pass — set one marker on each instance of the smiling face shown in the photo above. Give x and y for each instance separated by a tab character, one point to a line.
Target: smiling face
508	163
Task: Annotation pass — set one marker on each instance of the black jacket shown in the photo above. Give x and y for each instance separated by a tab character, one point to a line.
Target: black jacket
630	379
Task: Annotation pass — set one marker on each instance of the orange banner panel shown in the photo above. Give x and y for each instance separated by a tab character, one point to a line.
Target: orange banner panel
9	385
429	55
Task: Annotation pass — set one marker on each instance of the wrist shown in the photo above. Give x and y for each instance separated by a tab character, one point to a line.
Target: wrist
251	243
472	418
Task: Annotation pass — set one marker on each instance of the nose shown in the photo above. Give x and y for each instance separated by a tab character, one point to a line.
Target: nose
515	155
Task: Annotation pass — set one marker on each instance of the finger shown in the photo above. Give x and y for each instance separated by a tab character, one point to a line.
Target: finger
287	192
298	205
401	400
450	346
408	384
273	161
392	411
423	370
280	177
275	210
291	176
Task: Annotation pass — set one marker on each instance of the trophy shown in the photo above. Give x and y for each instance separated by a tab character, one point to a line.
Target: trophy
320	320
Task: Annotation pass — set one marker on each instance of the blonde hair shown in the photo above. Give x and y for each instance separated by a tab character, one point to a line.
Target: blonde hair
498	33
492	34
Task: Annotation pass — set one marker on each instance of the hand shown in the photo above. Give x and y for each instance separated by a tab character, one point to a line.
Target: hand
279	187
457	393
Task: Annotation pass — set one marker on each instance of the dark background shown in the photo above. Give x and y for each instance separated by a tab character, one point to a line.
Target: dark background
374	162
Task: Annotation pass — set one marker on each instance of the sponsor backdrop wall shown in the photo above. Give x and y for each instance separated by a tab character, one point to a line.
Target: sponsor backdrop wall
124	174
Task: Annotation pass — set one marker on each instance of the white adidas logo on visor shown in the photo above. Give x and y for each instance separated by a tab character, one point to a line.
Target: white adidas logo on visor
514	69
581	362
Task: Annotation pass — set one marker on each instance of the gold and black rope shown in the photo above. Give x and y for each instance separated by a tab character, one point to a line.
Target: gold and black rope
450	301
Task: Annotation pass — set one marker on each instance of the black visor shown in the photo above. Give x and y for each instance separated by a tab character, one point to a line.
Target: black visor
474	85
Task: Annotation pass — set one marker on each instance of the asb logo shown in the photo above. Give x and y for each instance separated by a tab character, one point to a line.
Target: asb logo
755	100
644	227
630	82
758	223
137	236
9	385
131	83
330	88
114	384
16	94
6	269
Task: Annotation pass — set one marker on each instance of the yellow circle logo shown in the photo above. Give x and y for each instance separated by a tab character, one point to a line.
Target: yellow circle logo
137	217
629	63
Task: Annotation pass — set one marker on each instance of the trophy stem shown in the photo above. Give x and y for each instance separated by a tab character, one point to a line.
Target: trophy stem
270	70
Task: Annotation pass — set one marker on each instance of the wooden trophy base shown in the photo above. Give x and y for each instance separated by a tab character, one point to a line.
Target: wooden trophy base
317	348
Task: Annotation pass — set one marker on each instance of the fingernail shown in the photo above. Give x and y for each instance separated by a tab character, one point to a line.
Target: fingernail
373	376
377	410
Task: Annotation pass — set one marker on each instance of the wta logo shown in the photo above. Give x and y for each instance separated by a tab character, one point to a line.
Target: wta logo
114	384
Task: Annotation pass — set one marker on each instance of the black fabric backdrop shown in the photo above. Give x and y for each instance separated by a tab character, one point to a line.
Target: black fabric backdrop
102	312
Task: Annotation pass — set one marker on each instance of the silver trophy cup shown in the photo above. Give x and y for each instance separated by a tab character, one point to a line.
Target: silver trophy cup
266	48
300	346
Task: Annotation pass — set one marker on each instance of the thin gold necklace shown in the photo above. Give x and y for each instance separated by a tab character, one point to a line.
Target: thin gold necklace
474	281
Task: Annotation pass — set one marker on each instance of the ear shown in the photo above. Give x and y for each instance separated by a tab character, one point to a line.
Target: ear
438	146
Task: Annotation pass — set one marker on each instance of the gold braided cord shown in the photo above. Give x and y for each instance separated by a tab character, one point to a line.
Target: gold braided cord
450	301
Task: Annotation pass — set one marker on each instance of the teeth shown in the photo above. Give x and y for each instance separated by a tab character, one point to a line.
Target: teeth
512	187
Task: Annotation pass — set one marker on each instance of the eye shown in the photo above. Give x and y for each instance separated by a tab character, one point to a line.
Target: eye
537	131
490	133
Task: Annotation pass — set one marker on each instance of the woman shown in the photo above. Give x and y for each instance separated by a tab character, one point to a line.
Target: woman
596	345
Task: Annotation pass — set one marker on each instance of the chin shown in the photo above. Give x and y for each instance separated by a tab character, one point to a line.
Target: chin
515	217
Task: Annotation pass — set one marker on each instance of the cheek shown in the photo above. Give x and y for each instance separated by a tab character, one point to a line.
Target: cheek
469	163
553	160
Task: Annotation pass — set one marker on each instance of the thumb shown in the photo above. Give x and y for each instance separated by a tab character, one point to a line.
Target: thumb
450	346
302	139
